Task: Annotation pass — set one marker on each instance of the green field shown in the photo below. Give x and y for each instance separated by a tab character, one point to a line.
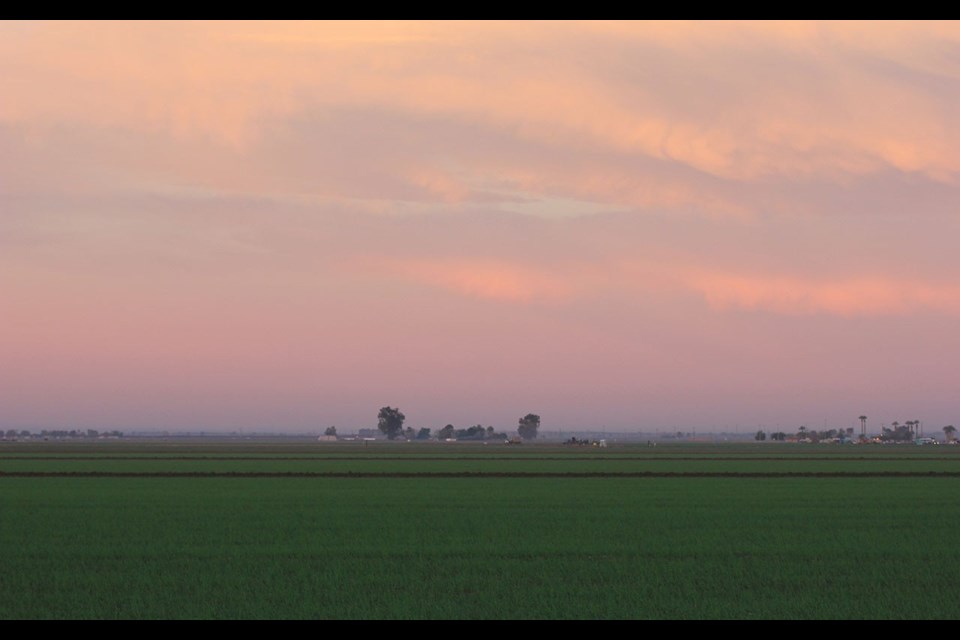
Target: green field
415	531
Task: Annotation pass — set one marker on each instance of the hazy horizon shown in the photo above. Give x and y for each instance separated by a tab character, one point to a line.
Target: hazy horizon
615	225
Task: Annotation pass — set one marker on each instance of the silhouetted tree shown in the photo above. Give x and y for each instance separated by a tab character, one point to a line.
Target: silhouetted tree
529	424
390	422
949	432
899	433
423	434
476	432
760	436
446	432
331	431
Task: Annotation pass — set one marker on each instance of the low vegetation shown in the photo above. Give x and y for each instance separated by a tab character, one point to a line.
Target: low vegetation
427	531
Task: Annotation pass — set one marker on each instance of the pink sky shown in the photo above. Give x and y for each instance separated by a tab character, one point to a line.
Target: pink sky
619	226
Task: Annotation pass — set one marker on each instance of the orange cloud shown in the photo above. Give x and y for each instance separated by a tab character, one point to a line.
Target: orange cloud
224	77
737	100
845	297
486	279
441	184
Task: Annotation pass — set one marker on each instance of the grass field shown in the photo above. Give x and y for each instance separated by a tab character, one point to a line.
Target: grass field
414	531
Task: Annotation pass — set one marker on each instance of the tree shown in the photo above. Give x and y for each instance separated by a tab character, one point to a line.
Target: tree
423	434
331	431
949	432
446	432
899	433
390	422
760	436
529	424
476	432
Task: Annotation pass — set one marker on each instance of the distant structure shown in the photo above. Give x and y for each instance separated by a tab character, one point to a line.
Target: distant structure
863	427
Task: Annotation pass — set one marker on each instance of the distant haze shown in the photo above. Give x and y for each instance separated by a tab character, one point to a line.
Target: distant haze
614	225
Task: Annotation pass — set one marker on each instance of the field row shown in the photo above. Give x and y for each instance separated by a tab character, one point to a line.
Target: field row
488	466
410	532
426	475
479	548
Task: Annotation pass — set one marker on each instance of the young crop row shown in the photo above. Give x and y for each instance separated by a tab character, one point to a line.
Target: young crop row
478	548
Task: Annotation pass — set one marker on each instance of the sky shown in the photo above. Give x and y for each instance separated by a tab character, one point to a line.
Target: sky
620	226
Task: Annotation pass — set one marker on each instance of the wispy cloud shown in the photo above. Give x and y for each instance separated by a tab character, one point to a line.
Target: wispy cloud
843	297
619	204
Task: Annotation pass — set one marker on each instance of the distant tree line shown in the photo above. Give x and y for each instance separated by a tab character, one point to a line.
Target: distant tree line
11	434
896	432
476	432
390	423
581	442
806	434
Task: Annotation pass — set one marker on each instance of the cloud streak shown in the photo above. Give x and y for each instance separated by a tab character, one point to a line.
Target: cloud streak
849	297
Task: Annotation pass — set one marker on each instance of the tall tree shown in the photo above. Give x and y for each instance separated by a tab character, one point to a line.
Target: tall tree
446	432
390	422
949	431
528	426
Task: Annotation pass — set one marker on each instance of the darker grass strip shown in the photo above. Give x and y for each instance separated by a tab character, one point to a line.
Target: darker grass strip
478	474
471	458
